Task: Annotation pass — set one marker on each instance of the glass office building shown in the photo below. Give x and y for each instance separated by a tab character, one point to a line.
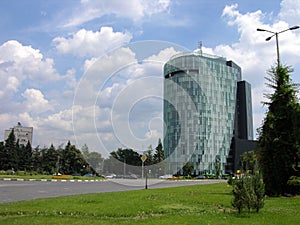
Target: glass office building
201	111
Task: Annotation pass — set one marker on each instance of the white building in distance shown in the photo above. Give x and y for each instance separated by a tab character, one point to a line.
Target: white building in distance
23	134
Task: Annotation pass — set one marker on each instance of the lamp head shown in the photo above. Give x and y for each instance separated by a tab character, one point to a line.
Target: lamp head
259	29
269	38
294	28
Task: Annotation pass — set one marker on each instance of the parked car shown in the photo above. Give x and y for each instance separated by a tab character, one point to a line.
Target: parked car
166	176
88	175
111	175
131	176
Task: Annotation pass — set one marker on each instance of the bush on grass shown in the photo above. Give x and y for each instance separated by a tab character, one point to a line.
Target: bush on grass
293	185
248	192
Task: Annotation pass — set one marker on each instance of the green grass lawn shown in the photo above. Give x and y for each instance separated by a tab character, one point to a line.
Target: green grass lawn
200	204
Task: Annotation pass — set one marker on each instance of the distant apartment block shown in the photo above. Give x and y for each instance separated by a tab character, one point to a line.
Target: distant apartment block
23	134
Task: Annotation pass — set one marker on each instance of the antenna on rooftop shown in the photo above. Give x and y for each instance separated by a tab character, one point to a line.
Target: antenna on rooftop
200	47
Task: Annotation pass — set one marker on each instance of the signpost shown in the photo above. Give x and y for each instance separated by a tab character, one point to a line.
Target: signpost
143	158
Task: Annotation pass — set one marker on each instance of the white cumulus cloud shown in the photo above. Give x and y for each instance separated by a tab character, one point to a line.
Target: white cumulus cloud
25	62
134	10
290	11
35	101
12	83
256	56
18	64
89	43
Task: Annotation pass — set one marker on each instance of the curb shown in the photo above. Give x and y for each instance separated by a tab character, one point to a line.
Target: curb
51	180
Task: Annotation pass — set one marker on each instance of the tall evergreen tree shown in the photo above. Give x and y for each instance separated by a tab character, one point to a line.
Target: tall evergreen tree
25	156
28	156
149	155
297	132
16	153
65	159
20	151
50	156
36	159
159	157
2	154
72	161
10	153
159	153
278	136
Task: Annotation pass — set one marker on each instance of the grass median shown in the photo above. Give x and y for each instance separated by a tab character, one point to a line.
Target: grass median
199	204
49	177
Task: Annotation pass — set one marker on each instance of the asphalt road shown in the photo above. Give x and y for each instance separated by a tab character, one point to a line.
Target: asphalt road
12	191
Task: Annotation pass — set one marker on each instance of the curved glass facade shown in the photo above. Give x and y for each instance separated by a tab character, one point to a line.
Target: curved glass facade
199	111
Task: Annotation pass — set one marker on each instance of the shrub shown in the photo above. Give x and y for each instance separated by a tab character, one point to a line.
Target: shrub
230	180
248	192
237	192
259	190
293	185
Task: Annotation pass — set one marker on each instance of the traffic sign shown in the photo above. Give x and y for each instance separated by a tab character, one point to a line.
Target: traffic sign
143	158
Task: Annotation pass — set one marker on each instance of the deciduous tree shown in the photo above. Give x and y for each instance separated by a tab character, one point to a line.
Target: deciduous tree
94	159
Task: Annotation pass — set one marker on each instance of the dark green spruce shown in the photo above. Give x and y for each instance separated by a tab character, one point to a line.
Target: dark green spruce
279	134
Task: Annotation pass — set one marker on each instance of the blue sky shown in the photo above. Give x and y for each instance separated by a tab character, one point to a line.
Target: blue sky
90	71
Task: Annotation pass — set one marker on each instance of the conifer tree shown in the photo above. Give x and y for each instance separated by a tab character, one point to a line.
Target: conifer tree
238	200
10	153
248	194
15	156
24	156
36	159
50	156
278	136
159	158
159	153
149	155
2	154
72	161
259	190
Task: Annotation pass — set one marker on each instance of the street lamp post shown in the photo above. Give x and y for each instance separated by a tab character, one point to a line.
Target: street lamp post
146	184
276	35
124	167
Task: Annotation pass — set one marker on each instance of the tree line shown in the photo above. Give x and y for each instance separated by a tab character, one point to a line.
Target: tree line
67	160
71	160
128	161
